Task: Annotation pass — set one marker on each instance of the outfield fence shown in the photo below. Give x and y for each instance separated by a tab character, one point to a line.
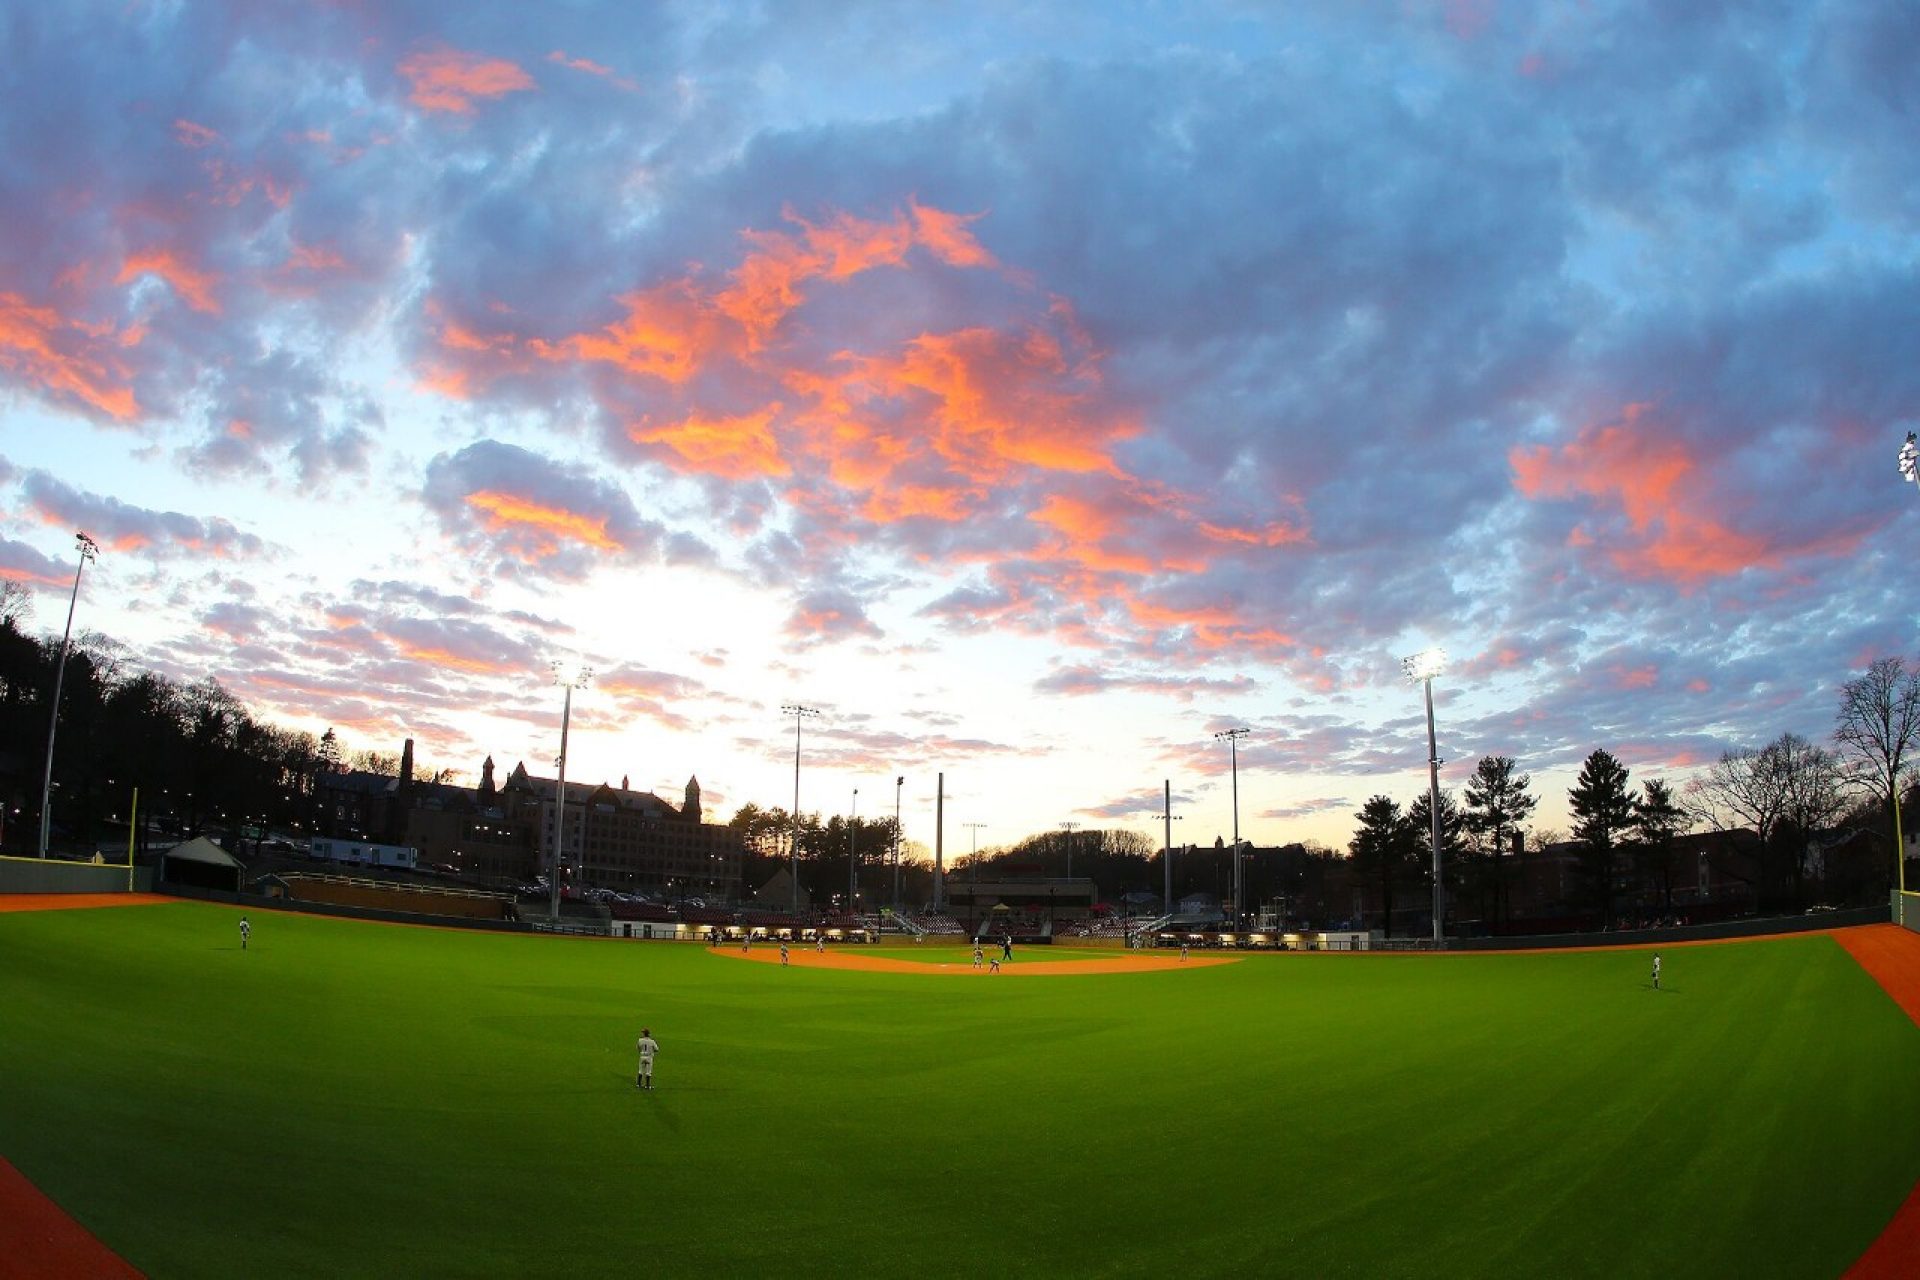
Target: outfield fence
53	875
1906	909
1758	927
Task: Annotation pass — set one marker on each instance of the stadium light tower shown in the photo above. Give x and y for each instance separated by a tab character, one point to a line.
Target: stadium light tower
973	854
1233	737
853	849
89	551
799	713
1168	817
1421	668
1068	827
898	783
569	676
1909	471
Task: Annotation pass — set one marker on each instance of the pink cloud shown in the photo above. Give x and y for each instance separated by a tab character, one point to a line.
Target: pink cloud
451	80
66	359
189	283
1635	466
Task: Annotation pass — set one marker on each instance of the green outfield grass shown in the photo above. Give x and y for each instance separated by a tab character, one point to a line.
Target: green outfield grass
361	1098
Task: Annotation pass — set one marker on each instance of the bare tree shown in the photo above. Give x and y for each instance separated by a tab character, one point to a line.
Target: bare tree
16	603
1878	720
1741	791
1787	791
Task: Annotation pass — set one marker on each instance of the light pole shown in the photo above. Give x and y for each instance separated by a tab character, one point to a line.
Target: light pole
853	847
898	783
569	676
1910	471
1421	668
799	713
1233	737
1168	817
1068	828
89	550
973	849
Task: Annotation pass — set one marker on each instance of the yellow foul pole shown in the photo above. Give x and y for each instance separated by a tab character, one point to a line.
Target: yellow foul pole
133	825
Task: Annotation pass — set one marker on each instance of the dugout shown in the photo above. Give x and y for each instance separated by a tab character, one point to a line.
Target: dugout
203	864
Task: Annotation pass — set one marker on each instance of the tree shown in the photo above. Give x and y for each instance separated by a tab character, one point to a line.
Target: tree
1786	792
1878	720
1381	850
1815	784
1657	820
1498	802
1454	849
1602	808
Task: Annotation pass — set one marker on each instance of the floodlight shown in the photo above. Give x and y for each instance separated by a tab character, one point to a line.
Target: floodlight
570	672
1910	460
1424	665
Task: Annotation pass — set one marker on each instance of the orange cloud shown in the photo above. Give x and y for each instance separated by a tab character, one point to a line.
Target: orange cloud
193	286
40	346
451	79
766	285
506	511
946	237
994	401
737	448
667	333
887	504
1656	484
448	658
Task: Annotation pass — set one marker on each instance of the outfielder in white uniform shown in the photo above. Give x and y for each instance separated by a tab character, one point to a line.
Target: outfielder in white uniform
648	1047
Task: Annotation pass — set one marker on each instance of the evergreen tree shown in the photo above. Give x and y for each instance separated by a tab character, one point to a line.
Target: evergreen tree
1381	850
1602	807
1657	820
1498	804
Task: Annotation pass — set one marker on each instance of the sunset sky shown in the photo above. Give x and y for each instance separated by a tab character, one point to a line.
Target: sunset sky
1036	390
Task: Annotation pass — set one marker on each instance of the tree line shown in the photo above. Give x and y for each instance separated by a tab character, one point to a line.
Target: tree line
1787	794
201	761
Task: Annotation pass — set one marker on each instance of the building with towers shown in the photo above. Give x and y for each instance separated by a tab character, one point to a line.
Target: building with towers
617	838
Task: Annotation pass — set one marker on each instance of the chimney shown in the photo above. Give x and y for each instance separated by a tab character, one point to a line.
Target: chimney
406	765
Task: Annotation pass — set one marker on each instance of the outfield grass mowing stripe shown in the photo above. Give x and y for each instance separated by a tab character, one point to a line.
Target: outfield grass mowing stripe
349	1098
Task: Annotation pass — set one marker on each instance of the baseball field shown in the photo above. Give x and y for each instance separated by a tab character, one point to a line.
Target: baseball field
356	1098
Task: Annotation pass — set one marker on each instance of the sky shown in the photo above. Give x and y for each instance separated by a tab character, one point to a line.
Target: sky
1035	390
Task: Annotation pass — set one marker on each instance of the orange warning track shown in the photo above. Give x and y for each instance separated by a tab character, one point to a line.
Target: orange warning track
37	1238
1892	955
805	959
69	901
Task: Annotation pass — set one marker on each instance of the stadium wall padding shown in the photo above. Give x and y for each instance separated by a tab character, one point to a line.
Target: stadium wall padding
47	875
1724	929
